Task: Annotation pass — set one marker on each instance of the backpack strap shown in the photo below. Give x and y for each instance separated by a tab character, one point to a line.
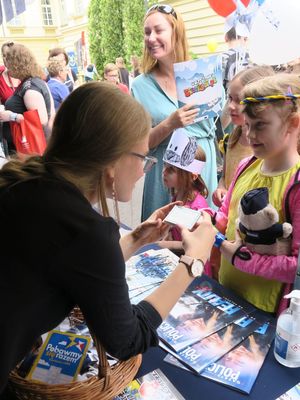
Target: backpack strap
289	219
248	163
287	199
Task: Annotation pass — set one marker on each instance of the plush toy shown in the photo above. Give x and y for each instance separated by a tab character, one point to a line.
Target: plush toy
259	227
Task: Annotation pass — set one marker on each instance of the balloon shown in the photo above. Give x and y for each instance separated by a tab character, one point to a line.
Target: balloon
274	37
212	46
225	7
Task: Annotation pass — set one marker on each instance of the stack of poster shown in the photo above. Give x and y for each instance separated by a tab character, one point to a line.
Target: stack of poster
200	312
152	386
239	368
200	82
217	335
145	271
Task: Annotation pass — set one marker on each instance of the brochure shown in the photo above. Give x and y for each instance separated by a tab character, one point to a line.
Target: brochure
200	82
139	291
292	394
204	308
149	268
240	367
143	295
60	358
153	386
208	350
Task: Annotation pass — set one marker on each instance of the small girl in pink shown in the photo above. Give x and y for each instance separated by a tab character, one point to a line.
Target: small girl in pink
183	180
186	186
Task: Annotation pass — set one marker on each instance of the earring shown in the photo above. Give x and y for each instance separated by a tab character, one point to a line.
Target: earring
115	204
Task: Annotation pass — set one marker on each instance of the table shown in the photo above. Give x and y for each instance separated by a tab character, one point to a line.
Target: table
273	379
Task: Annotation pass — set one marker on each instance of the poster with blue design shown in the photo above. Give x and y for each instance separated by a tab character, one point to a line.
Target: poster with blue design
60	358
200	82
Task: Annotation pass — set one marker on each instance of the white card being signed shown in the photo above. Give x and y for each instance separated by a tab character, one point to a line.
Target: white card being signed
183	216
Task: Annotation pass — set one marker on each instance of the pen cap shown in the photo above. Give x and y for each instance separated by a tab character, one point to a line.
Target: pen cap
295	300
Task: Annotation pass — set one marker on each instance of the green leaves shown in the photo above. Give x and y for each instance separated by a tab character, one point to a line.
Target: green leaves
116	30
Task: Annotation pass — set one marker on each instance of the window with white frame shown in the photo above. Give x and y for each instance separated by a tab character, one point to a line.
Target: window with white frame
78	7
47	12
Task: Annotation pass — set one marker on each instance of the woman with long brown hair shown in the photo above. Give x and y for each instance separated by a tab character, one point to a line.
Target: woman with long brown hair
58	251
165	43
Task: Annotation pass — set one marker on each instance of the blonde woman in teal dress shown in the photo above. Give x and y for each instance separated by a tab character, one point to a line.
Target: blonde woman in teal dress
165	43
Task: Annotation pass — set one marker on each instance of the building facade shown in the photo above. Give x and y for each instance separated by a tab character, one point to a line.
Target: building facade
64	23
51	23
202	24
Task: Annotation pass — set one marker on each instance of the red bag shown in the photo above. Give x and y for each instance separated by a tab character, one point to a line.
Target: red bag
28	135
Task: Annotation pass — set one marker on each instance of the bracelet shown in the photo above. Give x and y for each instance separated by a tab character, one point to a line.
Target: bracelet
13	116
219	239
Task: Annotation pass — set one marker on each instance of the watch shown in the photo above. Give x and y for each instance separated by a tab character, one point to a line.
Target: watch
194	266
13	116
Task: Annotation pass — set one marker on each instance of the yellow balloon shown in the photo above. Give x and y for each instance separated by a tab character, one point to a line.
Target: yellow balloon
212	46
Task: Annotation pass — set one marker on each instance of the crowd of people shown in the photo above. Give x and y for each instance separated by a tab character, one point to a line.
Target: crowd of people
25	85
101	139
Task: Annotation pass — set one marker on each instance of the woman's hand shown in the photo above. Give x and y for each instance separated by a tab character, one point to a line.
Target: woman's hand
5	116
228	248
182	117
154	229
198	243
149	231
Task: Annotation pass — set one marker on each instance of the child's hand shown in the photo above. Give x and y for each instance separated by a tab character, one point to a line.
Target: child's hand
228	248
218	196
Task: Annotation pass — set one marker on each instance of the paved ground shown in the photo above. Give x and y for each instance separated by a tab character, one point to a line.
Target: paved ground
130	213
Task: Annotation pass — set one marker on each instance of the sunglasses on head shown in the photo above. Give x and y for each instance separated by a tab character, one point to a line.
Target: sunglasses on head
163	8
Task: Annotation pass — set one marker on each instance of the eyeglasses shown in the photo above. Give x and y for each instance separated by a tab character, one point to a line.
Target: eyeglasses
149	161
163	8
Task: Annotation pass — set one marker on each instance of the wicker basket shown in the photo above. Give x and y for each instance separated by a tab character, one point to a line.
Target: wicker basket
109	382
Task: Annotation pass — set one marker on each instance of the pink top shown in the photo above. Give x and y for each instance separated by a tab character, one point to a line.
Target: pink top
280	267
198	203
